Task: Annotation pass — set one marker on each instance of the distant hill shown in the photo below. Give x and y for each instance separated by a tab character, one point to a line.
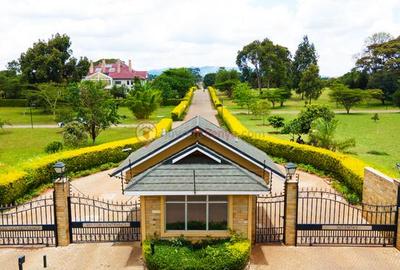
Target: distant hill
203	70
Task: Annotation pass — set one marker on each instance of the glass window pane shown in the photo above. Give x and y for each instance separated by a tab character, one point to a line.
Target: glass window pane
196	198
220	198
175	216
175	198
217	216
196	216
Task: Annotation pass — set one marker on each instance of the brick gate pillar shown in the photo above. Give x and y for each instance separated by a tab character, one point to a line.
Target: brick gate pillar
291	194
61	193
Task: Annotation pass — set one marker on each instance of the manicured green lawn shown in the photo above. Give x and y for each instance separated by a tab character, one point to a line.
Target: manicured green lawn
295	103
376	143
20	144
22	116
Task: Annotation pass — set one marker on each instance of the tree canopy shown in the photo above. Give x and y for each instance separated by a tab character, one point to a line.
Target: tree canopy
95	108
226	80
143	100
268	63
346	97
52	61
304	56
174	83
310	83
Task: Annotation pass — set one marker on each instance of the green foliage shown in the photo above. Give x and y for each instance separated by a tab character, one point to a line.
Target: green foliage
355	79
266	62
311	113
12	85
375	117
310	83
260	108
173	83
52	61
119	91
74	134
377	94
209	79
94	107
53	147
346	97
350	195
322	134
226	80
276	95
13	102
143	100
396	98
276	121
305	56
229	254
243	95
49	94
380	59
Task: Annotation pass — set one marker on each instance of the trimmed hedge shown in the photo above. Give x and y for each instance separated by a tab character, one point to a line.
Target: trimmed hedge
229	254
347	169
15	184
179	111
13	102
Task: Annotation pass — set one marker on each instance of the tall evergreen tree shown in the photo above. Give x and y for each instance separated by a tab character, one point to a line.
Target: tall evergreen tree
305	56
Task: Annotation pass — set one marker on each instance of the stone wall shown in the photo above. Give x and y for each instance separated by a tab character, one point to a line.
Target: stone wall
152	216
379	188
240	220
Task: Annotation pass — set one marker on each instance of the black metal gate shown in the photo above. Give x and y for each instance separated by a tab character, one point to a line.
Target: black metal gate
326	218
96	220
270	218
30	223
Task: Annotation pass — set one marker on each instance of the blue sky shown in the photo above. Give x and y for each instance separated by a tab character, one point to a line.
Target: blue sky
174	33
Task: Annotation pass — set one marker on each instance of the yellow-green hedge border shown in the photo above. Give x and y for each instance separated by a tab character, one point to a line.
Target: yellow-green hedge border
179	111
32	174
347	169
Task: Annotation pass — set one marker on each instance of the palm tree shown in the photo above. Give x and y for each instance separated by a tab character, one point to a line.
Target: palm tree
143	100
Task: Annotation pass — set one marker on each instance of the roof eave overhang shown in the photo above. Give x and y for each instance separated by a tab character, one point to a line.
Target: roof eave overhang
166	193
210	136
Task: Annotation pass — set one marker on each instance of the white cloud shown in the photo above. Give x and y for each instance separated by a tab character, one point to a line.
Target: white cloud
193	33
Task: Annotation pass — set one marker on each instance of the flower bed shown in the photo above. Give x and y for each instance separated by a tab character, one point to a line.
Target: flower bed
229	254
32	174
347	169
179	111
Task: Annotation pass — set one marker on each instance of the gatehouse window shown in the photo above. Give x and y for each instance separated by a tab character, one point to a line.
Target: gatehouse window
197	212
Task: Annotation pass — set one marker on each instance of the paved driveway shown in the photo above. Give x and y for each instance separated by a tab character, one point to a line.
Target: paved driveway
327	258
127	256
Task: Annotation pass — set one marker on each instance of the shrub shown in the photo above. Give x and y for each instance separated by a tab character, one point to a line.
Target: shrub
13	102
74	134
30	175
209	254
179	111
53	147
349	170
276	121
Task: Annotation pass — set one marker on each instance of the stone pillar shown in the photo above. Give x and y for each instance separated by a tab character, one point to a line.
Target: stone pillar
291	192
61	193
398	229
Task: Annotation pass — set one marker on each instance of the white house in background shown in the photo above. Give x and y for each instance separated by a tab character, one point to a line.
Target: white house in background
117	73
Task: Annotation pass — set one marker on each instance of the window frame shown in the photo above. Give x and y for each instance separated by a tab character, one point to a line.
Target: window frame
186	202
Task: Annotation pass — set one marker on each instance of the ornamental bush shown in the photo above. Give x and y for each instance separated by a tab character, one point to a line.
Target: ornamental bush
347	169
53	147
179	111
229	254
30	175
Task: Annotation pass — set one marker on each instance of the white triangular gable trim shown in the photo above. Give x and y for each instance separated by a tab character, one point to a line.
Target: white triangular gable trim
194	150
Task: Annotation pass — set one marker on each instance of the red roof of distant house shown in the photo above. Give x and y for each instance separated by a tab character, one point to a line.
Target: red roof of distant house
112	71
